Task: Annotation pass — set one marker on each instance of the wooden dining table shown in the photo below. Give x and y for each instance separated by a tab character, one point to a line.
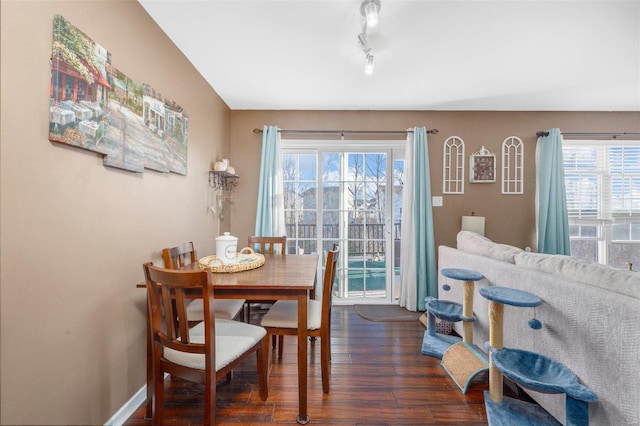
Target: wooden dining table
290	277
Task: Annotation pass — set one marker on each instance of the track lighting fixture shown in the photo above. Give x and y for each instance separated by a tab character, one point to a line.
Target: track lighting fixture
369	9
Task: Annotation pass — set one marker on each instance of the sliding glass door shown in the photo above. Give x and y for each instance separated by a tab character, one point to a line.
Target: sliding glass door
347	194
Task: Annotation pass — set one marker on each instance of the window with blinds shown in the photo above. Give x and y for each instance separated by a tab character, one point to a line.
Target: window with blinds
602	182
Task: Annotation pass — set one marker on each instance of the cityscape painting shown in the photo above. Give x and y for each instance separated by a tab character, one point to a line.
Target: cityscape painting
95	106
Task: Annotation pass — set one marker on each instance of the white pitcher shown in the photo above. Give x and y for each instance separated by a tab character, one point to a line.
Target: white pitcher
227	248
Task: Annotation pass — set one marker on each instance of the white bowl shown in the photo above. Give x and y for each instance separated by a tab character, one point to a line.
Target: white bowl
219	166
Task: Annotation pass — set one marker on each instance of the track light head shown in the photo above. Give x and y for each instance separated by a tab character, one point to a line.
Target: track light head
370	9
368	68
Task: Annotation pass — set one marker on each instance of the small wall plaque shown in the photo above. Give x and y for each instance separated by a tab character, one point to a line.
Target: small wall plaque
482	167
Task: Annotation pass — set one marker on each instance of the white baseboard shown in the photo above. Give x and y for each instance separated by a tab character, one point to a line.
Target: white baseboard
123	414
129	407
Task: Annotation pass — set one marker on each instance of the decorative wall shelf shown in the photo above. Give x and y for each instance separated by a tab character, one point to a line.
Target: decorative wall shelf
223	180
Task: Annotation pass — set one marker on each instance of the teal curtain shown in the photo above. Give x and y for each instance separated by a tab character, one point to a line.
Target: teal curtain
551	200
270	205
418	257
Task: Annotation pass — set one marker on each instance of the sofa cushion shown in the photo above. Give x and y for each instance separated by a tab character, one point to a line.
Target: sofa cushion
475	243
571	268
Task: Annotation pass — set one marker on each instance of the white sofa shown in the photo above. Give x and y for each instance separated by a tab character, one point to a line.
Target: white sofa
590	318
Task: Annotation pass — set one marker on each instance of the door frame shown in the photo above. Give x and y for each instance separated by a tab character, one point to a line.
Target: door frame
394	149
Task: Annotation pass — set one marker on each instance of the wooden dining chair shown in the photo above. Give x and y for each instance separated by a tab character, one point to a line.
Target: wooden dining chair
203	354
185	254
282	319
267	246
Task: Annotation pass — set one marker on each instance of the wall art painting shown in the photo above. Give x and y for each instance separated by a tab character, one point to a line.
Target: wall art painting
95	106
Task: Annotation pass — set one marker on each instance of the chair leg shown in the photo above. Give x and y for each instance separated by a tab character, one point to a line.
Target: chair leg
229	376
150	372
273	341
325	357
158	403
280	345
328	337
247	312
210	400
262	355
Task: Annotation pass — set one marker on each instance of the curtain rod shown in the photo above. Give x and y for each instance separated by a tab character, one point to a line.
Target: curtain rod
343	132
612	135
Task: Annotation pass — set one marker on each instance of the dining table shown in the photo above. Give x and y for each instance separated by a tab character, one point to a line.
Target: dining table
289	277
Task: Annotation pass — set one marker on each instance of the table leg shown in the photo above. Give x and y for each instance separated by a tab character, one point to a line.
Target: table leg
303	417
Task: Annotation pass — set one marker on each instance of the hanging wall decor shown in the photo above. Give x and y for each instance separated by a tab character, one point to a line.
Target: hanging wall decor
95	106
453	166
482	167
512	165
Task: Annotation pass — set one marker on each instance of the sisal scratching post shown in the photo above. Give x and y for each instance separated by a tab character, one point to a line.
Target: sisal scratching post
467	312
496	316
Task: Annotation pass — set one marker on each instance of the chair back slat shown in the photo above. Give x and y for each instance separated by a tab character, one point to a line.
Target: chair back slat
268	245
179	256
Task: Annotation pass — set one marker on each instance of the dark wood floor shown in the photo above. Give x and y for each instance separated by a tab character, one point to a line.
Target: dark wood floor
378	376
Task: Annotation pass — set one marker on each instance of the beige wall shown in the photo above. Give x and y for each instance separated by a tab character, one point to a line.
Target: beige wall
74	233
509	218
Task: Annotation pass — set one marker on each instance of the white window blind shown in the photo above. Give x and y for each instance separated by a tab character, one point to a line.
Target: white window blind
624	170
583	181
602	179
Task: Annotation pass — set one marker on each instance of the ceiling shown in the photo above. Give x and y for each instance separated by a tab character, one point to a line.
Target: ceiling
511	55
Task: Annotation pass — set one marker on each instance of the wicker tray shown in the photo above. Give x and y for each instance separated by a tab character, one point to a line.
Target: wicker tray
247	259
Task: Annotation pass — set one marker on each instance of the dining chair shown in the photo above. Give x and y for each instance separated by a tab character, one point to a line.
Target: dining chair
267	246
282	319
185	254
205	353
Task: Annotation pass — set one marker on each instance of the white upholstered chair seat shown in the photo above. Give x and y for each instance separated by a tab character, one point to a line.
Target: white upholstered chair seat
284	314
233	338
224	308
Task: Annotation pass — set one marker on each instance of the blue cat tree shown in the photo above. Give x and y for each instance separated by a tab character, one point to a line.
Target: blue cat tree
460	357
529	369
436	344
